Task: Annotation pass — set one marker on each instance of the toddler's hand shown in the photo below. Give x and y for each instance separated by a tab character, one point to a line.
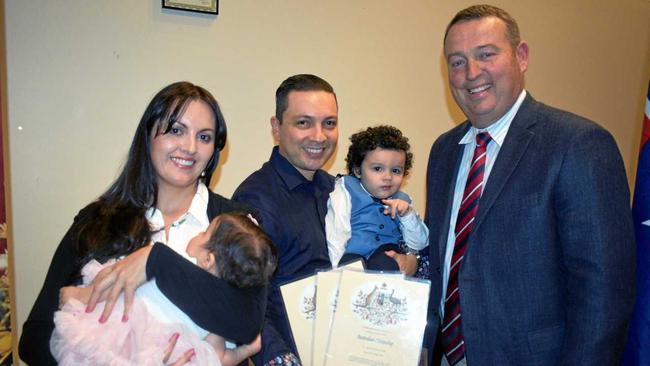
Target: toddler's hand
395	206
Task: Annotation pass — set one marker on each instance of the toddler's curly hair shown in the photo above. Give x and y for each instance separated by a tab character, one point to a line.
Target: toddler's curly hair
385	137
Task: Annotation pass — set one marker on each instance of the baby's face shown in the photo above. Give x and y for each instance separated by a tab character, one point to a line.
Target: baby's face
197	247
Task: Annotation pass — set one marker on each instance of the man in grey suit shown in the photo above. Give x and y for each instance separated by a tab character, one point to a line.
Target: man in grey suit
532	245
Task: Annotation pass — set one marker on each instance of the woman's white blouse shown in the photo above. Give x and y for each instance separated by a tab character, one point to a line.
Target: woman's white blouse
194	221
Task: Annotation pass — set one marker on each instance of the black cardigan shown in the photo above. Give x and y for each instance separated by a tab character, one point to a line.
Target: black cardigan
213	304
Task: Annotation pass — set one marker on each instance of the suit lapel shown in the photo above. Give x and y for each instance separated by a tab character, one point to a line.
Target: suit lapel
514	147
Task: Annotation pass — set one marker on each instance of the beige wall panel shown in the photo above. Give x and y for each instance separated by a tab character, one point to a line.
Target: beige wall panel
80	74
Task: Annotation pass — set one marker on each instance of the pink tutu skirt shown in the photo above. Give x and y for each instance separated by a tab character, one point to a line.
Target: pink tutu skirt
80	339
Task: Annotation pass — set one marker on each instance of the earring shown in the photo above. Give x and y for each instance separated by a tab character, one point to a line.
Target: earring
203	174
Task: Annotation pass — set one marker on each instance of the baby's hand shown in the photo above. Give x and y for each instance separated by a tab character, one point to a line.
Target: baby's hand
395	206
73	292
256	345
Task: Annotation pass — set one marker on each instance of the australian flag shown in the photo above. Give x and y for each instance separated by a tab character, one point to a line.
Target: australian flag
637	350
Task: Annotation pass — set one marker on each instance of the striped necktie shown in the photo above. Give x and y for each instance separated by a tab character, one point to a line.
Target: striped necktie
452	339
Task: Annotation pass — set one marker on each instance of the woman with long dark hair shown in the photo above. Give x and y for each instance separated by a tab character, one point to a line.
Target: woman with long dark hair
160	197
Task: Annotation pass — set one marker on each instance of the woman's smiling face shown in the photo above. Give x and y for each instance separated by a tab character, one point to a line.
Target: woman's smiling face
181	155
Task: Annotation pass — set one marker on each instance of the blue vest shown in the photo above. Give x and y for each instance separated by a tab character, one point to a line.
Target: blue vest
370	227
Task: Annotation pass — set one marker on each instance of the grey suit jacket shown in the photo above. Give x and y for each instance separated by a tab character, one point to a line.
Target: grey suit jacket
548	276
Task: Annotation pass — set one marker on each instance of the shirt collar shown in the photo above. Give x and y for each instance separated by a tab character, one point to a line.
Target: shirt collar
290	175
199	205
499	128
196	212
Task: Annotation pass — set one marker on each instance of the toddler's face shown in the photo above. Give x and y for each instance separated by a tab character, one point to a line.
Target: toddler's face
197	247
382	172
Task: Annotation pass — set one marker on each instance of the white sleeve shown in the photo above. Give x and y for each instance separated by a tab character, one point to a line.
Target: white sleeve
337	222
414	231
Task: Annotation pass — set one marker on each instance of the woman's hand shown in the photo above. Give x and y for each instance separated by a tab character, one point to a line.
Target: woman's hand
408	264
124	276
185	358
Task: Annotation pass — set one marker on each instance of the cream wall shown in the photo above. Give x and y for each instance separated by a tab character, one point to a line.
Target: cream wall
80	73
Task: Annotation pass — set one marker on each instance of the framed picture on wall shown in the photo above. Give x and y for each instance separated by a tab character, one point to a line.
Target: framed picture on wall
199	6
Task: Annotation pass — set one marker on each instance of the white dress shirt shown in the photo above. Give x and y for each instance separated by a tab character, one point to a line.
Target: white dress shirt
497	131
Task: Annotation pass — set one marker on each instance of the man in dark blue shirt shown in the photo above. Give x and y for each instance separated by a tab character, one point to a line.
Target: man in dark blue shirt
289	194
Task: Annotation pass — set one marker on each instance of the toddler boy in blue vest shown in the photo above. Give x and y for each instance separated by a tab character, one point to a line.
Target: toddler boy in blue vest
368	216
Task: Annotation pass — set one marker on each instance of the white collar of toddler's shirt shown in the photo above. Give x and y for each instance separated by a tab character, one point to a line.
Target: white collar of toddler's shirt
197	211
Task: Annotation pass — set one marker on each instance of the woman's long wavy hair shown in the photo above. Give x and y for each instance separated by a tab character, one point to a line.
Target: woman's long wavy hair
117	224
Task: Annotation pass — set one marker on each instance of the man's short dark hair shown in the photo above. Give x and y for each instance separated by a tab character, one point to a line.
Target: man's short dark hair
483	11
300	82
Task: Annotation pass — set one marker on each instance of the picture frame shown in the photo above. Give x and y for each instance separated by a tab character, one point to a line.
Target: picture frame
197	6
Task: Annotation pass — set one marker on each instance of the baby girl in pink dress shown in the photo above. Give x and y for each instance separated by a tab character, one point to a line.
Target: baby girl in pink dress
232	248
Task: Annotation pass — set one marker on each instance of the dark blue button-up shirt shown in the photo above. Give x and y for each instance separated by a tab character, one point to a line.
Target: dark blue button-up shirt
292	211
